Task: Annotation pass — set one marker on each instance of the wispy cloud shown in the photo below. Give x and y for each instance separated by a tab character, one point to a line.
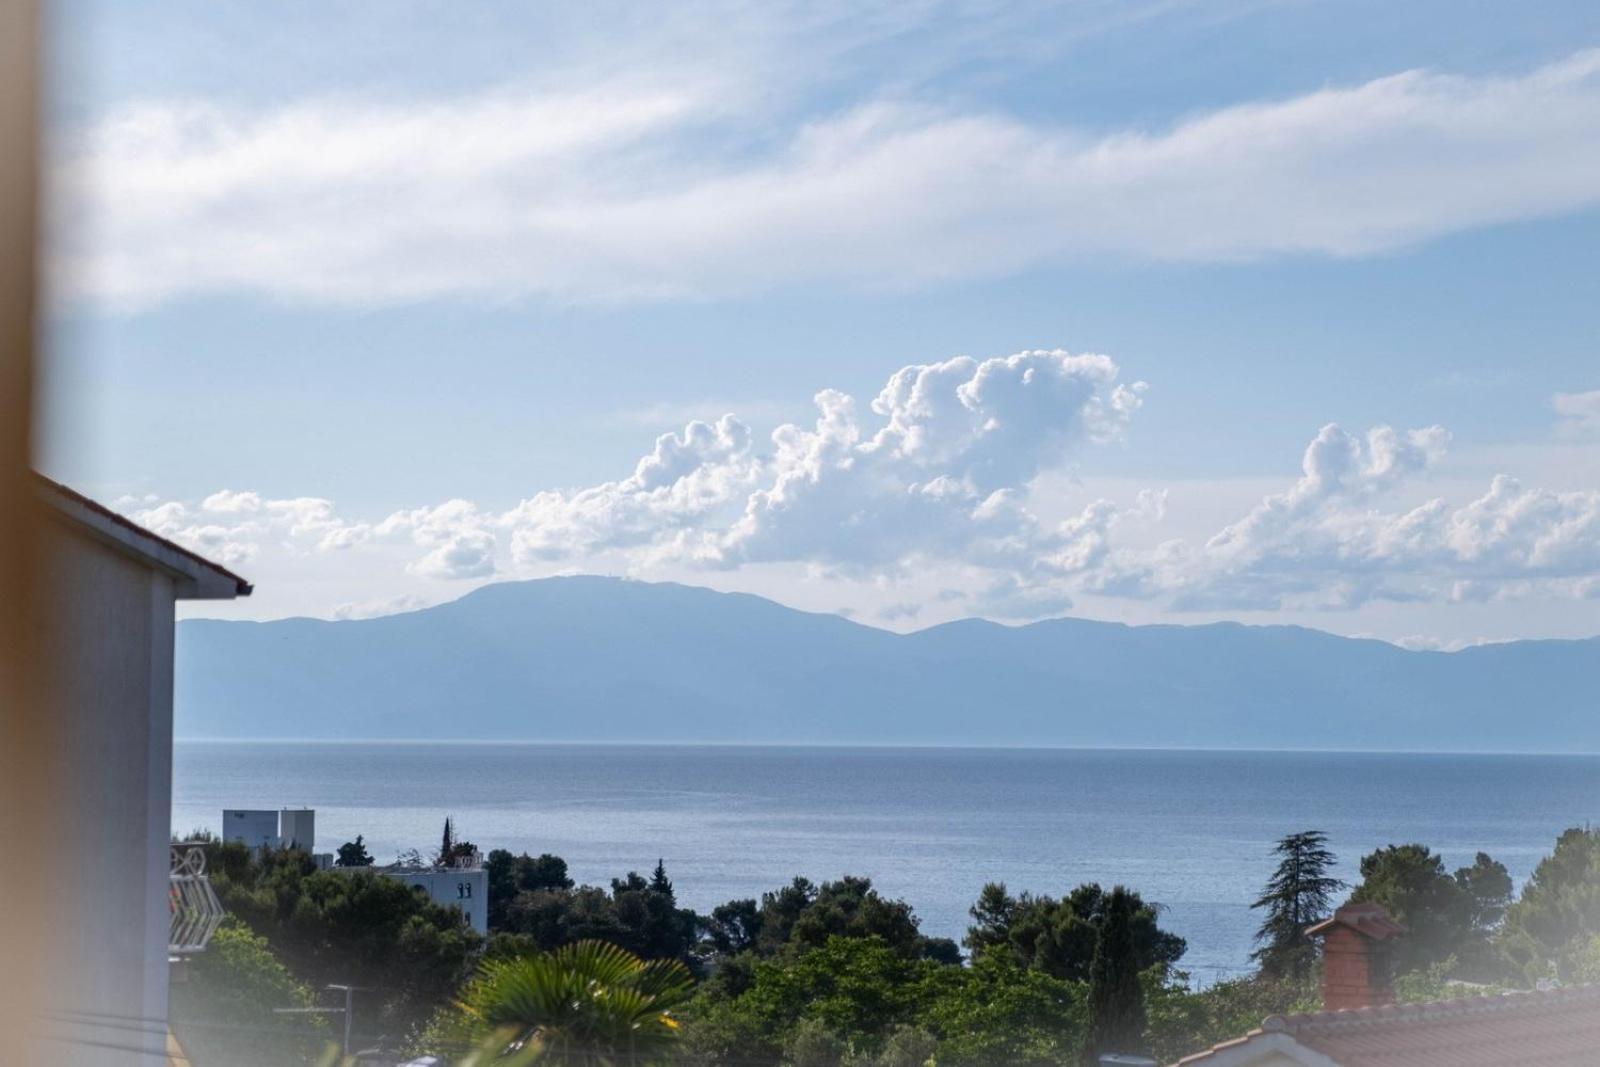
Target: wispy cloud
1580	412
639	190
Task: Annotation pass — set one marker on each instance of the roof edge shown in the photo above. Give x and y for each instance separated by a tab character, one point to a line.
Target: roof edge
198	578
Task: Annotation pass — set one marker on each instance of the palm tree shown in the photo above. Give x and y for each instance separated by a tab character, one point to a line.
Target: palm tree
588	1004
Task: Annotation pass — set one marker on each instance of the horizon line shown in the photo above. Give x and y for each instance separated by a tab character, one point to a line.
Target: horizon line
876	745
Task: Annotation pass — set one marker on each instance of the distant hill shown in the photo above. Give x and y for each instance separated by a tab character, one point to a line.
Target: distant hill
603	659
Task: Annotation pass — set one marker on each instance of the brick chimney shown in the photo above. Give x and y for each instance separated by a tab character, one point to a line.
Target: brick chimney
1355	965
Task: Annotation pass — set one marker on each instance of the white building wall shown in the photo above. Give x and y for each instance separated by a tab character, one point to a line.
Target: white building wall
109	632
253	828
466	890
297	828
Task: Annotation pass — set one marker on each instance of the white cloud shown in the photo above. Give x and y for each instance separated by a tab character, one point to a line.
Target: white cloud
372	609
931	496
629	191
1580	412
1322	542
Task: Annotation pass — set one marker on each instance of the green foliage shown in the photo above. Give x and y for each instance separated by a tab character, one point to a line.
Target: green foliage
224	1007
1116	999
1184	1021
861	1000
536	901
804	915
585	1003
995	1012
812	1044
353	927
1059	936
353	854
447	845
1551	929
1444	915
1299	893
508	875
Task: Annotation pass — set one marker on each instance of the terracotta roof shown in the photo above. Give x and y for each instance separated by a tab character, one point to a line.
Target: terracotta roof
1559	1028
1369	919
240	587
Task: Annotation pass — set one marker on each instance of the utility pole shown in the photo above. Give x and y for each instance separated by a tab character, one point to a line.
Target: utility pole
348	1011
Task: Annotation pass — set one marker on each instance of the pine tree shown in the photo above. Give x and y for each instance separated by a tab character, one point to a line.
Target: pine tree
659	880
354	854
1116	1001
447	848
1299	893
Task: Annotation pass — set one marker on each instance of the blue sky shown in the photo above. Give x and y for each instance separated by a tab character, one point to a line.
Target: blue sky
387	273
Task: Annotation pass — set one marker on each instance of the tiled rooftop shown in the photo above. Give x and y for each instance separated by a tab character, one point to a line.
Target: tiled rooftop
1559	1028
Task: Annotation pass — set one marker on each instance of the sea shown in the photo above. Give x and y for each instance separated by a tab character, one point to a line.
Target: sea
1190	830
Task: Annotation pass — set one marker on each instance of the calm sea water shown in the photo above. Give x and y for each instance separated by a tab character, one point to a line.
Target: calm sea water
1191	830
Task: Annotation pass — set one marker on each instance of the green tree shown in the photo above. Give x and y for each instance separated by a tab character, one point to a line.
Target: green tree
1182	1021
1444	914
1552	927
994	1012
354	854
355	927
1299	893
225	1009
1116	999
734	927
508	875
1059	936
447	845
588	1003
804	915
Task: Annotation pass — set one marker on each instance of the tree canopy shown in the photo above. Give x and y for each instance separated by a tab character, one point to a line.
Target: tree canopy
1445	915
1552	929
353	854
1299	893
1059	936
1116	1001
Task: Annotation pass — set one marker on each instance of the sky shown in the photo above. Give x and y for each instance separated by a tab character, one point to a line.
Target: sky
1281	311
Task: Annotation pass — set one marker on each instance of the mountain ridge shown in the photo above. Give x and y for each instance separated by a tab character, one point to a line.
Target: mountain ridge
592	658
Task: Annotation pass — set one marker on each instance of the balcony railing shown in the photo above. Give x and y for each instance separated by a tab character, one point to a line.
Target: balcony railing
196	911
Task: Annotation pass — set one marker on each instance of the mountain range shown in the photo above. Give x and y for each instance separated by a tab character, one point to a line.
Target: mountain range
606	659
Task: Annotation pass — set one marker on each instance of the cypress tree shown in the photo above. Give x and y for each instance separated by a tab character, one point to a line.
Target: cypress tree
659	880
447	848
1299	893
1116	1001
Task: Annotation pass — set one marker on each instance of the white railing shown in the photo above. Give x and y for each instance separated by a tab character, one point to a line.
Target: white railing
196	911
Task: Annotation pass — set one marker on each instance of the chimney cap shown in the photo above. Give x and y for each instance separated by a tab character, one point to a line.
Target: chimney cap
1367	919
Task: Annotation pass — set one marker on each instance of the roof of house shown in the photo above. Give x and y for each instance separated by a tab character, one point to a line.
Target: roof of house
197	577
1556	1028
1369	919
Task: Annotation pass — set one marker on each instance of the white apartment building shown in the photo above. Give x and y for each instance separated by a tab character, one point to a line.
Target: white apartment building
464	887
265	828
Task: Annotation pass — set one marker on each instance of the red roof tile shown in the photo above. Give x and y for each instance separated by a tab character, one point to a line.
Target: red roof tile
1369	919
1559	1028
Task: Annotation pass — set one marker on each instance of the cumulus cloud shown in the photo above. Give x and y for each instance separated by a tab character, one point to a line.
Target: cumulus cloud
631	191
1323	543
932	486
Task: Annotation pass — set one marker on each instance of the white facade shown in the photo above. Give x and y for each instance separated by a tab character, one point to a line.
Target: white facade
265	828
107	635
297	828
251	828
464	888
